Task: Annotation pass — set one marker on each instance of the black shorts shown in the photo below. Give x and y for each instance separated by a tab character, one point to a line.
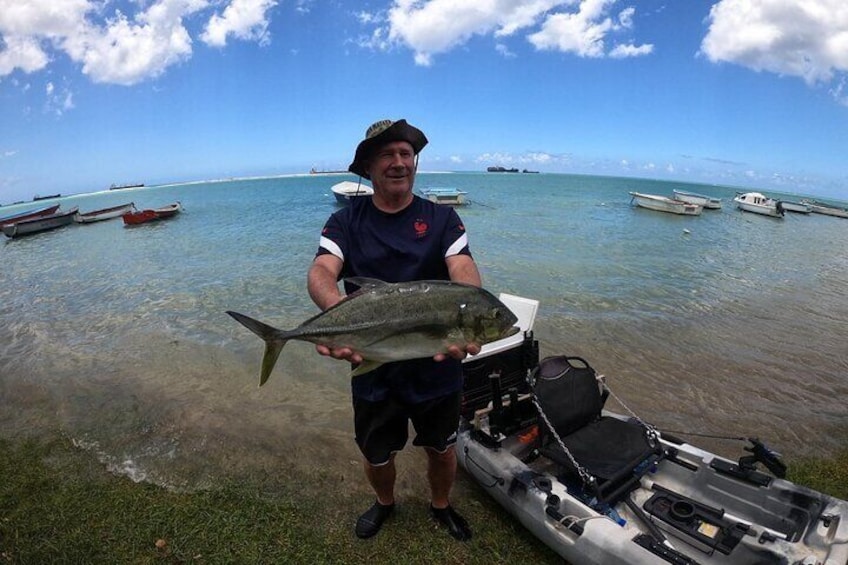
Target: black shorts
382	427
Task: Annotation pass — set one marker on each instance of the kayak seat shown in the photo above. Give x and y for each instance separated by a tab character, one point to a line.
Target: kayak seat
614	452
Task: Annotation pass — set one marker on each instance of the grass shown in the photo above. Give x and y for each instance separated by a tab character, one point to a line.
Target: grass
57	505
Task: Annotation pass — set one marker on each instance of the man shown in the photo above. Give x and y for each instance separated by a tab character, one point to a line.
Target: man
397	236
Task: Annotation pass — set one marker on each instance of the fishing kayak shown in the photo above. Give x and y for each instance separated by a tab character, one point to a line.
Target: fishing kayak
605	488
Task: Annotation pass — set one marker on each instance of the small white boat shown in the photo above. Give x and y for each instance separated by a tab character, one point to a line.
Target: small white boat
346	190
826	209
450	196
708	202
797	207
104	214
757	203
665	204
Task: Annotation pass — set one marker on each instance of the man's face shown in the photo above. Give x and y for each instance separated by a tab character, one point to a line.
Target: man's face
392	168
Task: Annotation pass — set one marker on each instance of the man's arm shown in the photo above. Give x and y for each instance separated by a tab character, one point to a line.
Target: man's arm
322	280
322	284
462	268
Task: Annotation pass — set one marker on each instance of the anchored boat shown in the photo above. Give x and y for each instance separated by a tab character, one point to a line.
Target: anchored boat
39	224
445	195
151	214
759	204
605	488
665	204
708	202
347	190
103	214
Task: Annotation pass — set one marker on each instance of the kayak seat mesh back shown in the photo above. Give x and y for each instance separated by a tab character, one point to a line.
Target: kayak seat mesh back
609	449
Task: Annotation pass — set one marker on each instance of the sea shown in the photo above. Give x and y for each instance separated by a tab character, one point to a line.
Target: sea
724	326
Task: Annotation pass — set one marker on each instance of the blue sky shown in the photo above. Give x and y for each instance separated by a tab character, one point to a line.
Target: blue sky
733	92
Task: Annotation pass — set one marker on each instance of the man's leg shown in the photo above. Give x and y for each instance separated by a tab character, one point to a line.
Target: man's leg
441	472
382	479
380	431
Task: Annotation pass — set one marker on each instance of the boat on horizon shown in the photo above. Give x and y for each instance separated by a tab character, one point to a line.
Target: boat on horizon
665	204
36	198
130	185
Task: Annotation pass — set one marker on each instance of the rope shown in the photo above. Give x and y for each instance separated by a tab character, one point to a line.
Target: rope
585	476
653	436
652	431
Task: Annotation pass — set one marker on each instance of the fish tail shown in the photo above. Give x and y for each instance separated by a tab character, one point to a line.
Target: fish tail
273	342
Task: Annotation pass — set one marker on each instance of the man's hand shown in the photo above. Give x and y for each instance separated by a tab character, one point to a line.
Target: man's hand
344	353
457	352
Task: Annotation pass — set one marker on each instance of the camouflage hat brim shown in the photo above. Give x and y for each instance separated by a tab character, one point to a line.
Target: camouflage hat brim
380	133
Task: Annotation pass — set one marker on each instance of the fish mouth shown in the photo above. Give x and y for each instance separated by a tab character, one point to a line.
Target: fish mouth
511	331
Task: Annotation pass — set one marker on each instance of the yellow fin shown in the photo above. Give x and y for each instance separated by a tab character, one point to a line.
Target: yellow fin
365	367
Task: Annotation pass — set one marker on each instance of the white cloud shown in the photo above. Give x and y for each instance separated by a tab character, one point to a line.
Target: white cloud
22	53
243	19
433	27
630	50
584	32
802	38
128	52
116	47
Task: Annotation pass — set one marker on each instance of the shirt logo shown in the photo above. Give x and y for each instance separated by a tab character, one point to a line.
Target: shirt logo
421	228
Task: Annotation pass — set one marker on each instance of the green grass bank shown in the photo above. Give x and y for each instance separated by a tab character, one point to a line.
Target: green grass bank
58	505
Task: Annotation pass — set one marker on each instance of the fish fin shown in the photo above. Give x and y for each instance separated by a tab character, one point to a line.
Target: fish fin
273	343
365	367
366	282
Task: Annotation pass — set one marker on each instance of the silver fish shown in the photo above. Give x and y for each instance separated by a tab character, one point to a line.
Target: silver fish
386	322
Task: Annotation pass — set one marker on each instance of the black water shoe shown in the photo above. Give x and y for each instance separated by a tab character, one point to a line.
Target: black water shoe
370	522
456	524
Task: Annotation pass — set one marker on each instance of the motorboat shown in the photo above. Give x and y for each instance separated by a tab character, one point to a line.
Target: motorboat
346	190
757	203
708	202
666	204
603	488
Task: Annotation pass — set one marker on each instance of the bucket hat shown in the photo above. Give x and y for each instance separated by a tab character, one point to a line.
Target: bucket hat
380	133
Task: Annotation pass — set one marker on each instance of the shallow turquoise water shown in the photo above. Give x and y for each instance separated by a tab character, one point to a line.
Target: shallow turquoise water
727	323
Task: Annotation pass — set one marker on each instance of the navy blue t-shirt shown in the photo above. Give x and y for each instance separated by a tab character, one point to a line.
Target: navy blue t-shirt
405	246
